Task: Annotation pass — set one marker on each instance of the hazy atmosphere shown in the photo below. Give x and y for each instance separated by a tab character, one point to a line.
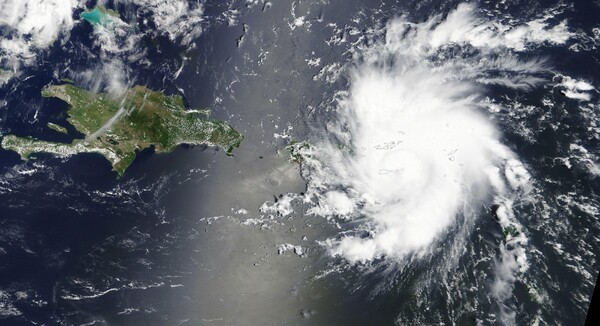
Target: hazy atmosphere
327	162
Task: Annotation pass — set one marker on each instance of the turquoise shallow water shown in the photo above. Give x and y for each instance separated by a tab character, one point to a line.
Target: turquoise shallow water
169	244
94	17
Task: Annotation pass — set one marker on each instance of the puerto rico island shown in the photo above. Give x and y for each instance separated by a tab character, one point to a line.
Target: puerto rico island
118	127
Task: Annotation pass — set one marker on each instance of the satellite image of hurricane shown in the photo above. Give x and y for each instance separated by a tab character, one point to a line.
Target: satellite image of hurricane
299	162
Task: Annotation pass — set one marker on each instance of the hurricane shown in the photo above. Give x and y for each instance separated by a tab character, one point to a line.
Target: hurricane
419	146
296	162
412	156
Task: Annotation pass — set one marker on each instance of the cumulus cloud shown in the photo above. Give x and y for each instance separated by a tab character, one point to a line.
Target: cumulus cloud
463	25
180	20
573	88
30	26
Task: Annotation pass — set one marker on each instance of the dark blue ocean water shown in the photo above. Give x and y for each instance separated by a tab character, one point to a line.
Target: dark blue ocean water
79	246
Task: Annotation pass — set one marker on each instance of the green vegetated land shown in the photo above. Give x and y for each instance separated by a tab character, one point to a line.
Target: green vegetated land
118	127
58	128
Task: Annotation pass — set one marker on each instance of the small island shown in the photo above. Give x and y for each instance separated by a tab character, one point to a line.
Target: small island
100	16
58	128
117	127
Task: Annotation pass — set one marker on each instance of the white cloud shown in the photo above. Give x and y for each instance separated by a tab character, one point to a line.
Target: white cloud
464	26
575	89
180	20
422	155
31	26
422	151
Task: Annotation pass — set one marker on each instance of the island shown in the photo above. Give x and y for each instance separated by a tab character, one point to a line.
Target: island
117	127
100	16
58	128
